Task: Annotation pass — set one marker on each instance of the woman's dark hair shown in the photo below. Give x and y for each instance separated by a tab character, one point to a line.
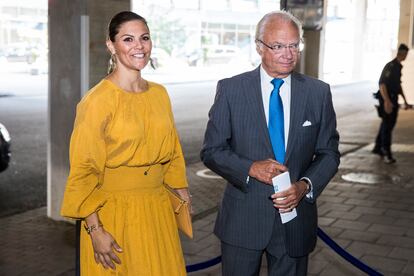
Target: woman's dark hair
113	29
119	19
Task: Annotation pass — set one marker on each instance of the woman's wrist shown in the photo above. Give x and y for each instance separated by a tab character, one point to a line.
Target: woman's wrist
184	193
92	223
93	228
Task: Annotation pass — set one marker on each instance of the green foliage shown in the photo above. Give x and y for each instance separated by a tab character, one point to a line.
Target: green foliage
167	33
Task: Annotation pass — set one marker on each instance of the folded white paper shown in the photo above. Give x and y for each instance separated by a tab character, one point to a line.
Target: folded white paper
282	182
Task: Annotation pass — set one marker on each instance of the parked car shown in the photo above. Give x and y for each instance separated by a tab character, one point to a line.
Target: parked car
216	54
221	54
4	148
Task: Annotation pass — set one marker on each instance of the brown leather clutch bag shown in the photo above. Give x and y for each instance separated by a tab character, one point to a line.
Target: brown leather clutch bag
181	212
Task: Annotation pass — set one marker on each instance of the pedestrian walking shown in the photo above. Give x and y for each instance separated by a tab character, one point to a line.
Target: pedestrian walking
389	90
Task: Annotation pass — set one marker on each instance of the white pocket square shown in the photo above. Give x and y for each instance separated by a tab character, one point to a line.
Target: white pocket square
307	123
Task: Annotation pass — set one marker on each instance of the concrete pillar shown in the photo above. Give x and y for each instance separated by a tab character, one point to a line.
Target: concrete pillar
322	41
311	52
406	28
311	60
77	61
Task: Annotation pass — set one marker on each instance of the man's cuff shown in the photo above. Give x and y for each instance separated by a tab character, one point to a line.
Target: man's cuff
247	180
310	193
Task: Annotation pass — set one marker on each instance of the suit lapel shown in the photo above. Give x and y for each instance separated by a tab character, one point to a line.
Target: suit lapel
254	97
297	109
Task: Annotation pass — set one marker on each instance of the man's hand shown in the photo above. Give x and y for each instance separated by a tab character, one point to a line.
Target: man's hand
288	199
388	107
265	170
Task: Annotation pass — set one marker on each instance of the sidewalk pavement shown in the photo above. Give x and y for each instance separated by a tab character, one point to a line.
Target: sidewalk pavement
373	218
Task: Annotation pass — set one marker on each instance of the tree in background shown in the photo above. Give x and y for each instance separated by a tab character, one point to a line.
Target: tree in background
167	33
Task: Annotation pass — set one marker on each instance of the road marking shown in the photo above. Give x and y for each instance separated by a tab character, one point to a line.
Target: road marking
409	148
206	173
366	178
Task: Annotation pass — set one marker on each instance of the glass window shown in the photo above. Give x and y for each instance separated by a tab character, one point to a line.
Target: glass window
228	27
269	5
214	26
184	4
243	28
215	4
371	36
28	11
211	36
161	3
229	38
243	39
10	10
244	5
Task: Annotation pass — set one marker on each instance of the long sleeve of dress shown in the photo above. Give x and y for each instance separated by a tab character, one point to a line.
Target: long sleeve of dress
87	158
175	176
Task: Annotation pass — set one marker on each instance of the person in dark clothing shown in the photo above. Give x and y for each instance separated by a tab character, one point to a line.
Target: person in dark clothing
389	89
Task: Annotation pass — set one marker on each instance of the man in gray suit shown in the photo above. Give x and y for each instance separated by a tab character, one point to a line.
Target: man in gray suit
252	136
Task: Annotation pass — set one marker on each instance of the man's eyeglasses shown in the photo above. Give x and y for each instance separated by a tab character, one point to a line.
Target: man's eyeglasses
278	48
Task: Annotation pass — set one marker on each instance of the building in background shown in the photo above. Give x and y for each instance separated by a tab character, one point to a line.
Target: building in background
23	34
360	37
205	33
202	36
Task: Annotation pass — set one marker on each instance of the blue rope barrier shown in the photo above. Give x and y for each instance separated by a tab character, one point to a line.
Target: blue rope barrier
344	254
203	265
323	236
206	264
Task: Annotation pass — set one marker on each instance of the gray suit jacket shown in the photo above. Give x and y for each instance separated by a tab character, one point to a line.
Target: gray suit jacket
237	135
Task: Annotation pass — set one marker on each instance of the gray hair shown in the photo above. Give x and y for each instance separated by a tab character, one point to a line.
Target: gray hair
283	15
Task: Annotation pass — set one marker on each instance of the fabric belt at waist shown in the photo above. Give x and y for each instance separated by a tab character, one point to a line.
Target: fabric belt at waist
133	178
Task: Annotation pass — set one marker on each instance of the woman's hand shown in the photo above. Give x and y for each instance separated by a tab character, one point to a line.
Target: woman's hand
185	194
103	246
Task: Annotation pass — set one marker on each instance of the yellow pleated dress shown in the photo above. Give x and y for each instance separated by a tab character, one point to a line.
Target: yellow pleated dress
123	149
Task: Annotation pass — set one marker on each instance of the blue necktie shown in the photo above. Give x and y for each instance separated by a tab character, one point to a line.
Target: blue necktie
276	122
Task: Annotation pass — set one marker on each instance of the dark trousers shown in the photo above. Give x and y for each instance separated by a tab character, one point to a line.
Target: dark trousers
246	262
384	137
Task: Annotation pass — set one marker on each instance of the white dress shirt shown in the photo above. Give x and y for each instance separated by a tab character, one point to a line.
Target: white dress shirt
285	93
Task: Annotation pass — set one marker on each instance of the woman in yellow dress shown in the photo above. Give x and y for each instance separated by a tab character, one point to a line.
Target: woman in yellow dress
124	148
